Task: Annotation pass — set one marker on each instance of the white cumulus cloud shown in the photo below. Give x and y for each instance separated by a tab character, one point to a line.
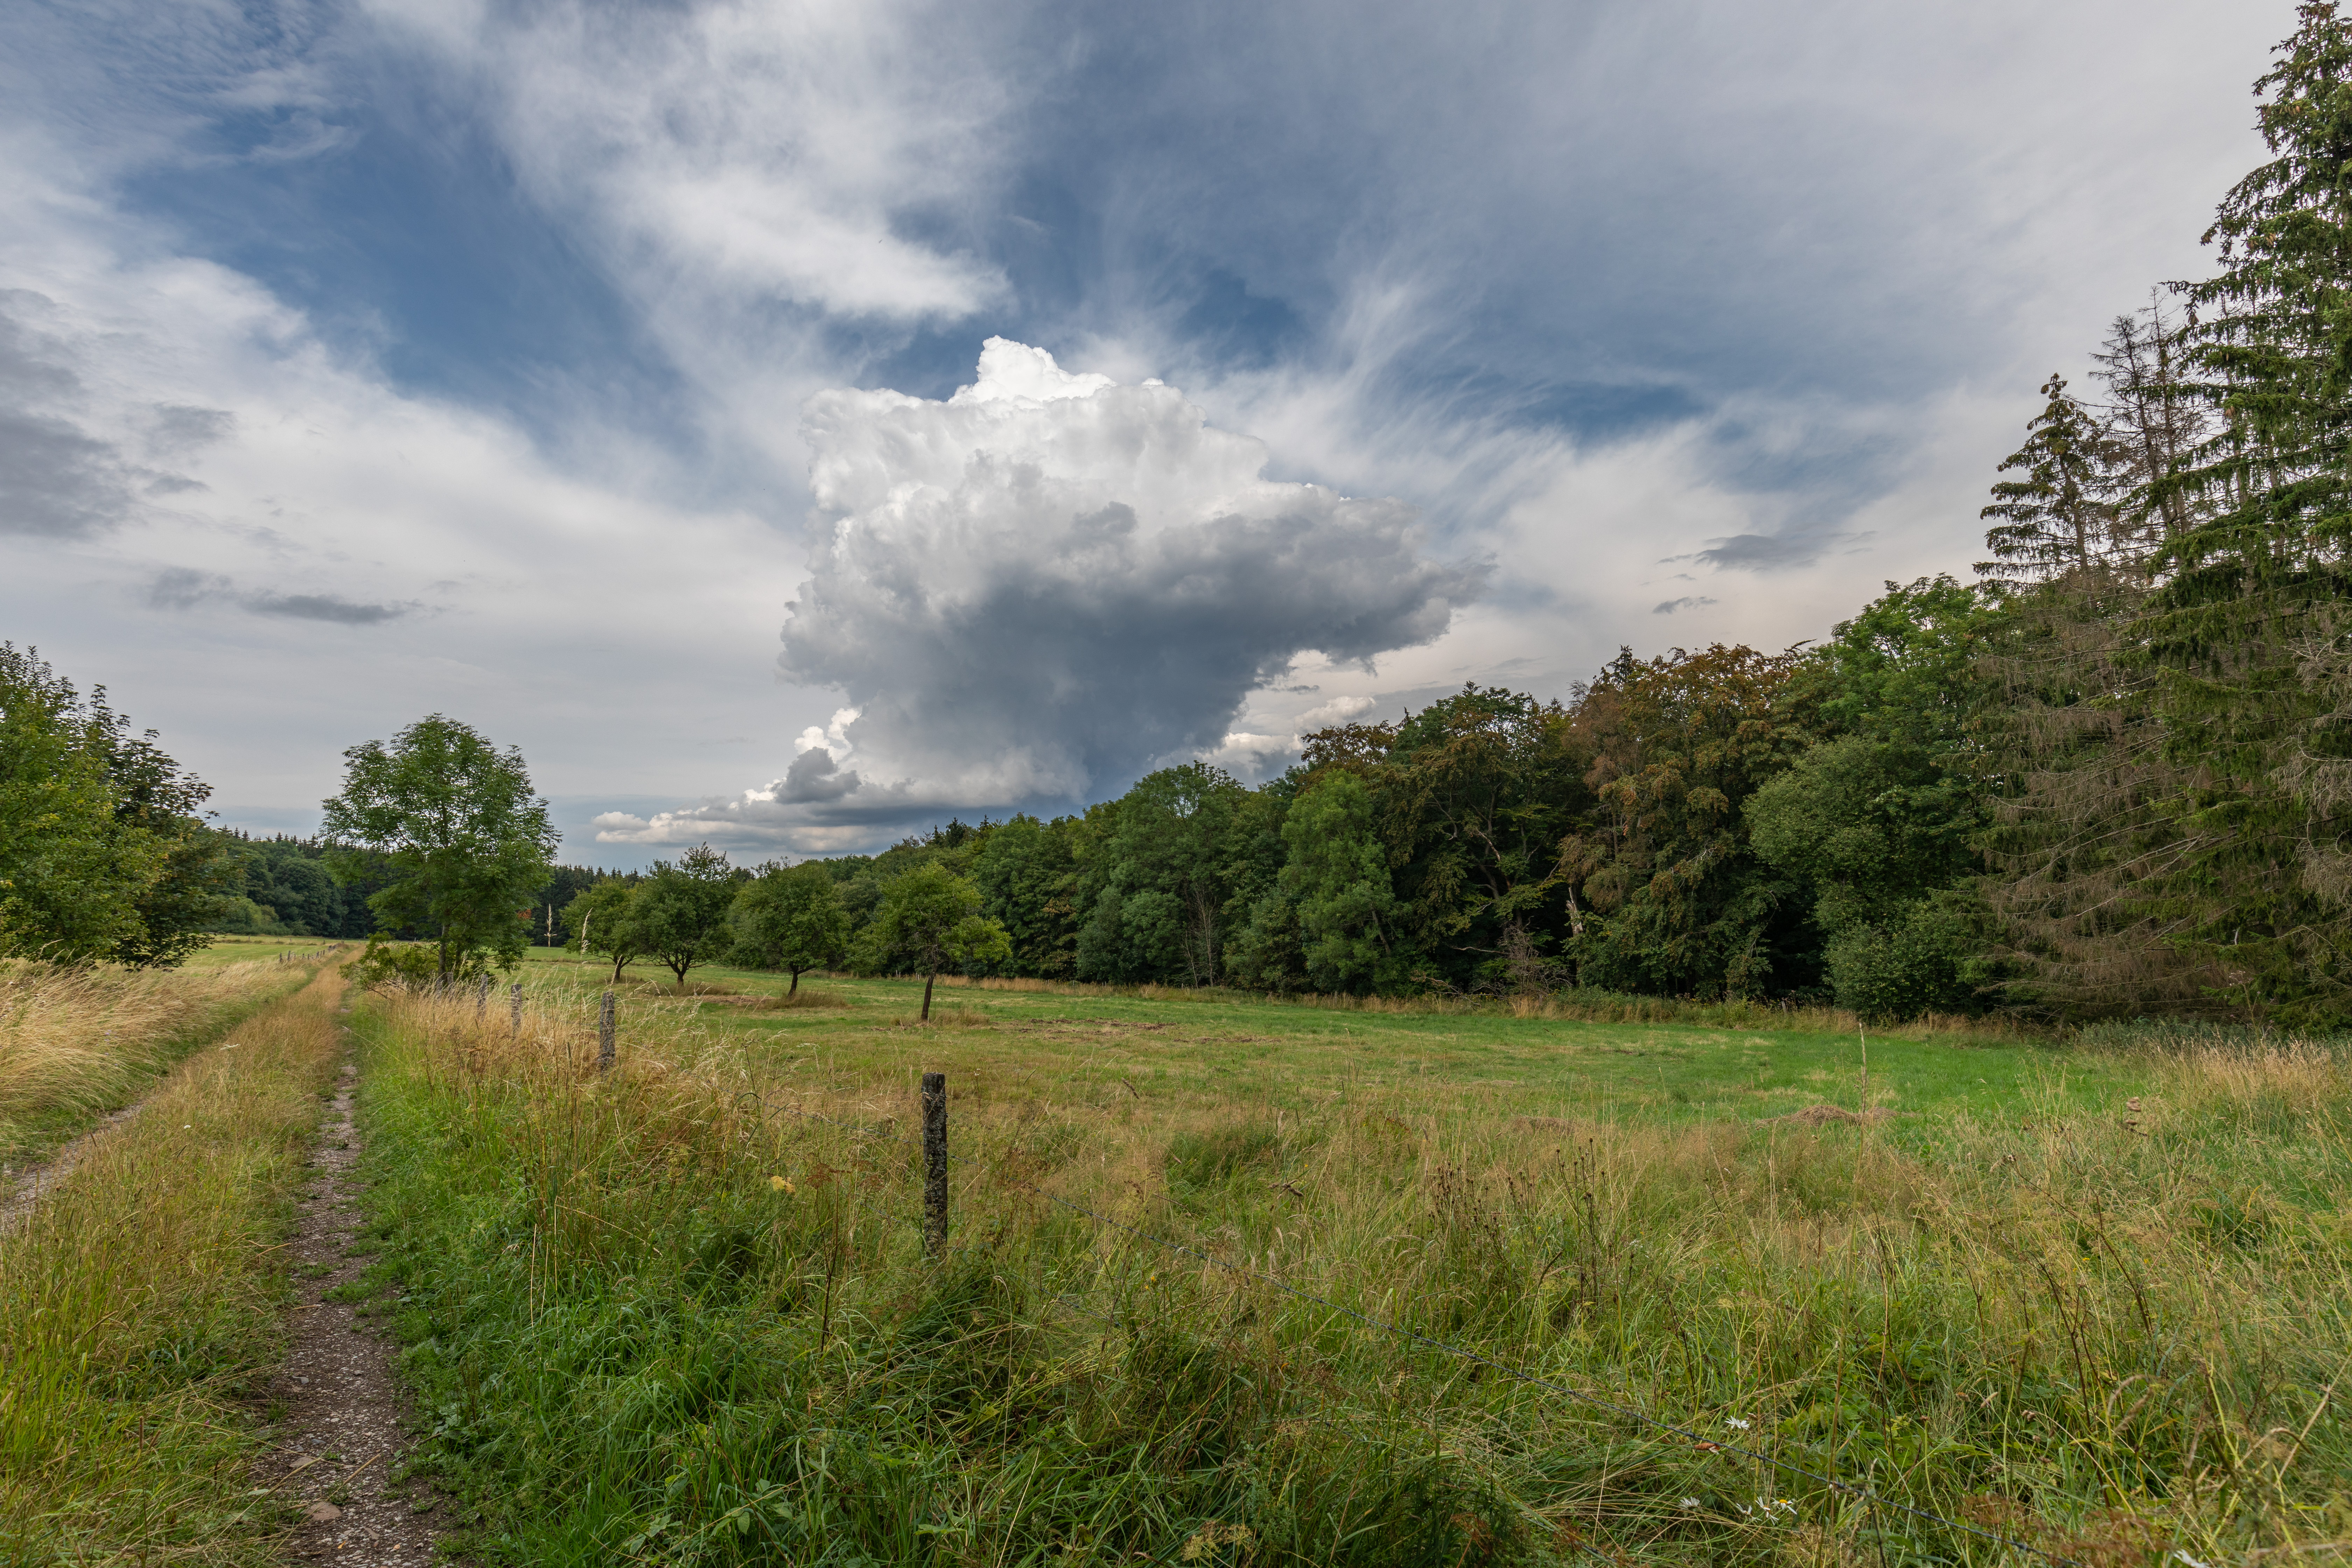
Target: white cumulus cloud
1034	590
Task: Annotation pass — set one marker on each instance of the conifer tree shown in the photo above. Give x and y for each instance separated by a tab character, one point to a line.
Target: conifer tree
2250	607
2059	519
2155	419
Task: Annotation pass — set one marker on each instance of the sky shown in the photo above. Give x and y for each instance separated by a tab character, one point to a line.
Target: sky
794	423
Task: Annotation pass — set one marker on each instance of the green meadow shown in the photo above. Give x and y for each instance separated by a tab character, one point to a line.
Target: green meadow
1234	1280
1174	1048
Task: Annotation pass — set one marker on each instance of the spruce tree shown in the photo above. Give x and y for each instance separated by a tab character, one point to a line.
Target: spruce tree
2155	419
2249	612
2058	519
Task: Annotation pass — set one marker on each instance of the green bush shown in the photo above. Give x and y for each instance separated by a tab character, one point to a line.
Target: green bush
240	916
1926	961
410	965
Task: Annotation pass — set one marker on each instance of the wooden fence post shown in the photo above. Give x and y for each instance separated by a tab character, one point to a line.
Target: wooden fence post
482	999
604	1034
516	1032
935	1163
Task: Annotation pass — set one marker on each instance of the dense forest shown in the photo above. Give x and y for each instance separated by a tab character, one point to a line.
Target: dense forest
2113	775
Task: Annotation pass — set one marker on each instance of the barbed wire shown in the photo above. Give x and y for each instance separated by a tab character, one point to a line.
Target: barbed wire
1863	1495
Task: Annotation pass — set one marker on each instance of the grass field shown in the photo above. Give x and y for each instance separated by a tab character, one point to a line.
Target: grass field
77	1043
2091	1300
1186	1055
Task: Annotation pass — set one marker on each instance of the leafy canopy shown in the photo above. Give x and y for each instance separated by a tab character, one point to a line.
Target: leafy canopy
603	921
680	911
790	917
930	919
70	873
455	821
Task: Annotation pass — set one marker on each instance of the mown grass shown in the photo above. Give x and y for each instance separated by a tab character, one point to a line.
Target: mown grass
138	1298
666	1316
76	1043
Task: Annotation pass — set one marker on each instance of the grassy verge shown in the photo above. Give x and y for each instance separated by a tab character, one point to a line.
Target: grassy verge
657	1317
142	1294
77	1043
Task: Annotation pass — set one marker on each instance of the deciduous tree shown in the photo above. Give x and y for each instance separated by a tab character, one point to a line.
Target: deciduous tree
790	917
72	872
930	919
455	821
681	909
603	921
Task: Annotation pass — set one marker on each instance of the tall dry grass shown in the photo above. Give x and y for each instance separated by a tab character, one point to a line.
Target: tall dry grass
78	1043
142	1295
661	1313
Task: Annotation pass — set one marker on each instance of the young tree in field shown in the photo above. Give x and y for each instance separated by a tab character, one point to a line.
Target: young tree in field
681	910
603	921
455	821
791	918
929	919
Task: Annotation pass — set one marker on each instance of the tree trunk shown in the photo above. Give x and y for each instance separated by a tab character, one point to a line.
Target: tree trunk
934	975
795	988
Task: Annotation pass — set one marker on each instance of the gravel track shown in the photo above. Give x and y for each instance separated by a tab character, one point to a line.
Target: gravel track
345	1432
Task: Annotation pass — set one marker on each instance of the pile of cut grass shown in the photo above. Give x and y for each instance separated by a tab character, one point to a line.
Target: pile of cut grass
659	1316
141	1296
78	1043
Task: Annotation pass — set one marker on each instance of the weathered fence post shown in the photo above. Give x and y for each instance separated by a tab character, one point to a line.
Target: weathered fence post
935	1163
482	1000
516	1032
604	1034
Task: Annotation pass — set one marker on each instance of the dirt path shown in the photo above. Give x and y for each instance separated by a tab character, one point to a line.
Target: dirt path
344	1436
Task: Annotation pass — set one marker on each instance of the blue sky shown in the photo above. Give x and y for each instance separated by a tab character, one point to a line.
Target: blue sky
363	360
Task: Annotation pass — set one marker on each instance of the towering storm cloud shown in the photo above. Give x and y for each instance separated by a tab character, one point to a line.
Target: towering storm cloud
1040	587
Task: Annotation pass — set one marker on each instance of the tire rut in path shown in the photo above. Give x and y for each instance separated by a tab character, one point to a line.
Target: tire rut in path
344	1432
21	1189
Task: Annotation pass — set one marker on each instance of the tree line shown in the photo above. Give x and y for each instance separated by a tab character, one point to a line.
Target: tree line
107	855
281	885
